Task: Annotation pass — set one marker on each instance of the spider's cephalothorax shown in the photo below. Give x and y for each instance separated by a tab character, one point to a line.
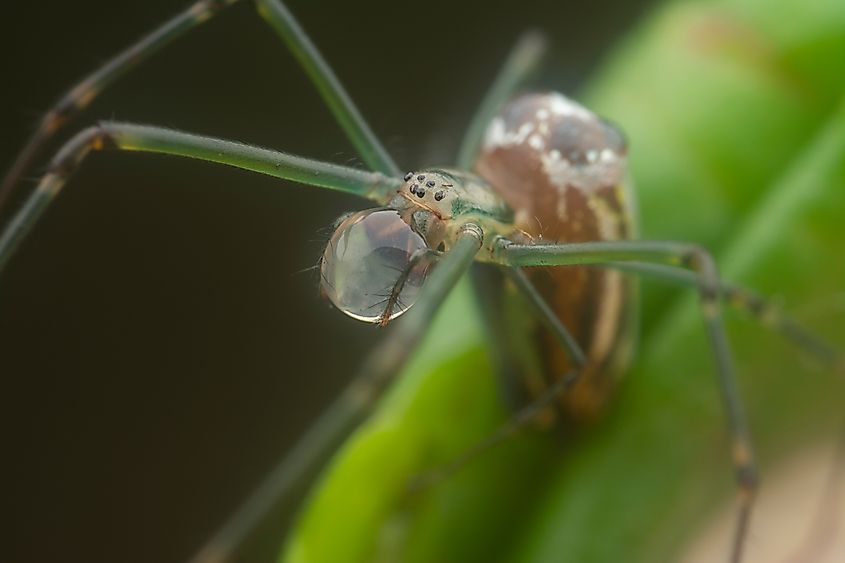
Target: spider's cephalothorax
453	196
377	260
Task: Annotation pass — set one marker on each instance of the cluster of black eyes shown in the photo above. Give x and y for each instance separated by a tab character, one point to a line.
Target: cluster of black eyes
419	190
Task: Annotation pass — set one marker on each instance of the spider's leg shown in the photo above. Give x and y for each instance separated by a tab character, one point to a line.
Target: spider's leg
122	136
681	255
334	94
547	316
277	15
309	455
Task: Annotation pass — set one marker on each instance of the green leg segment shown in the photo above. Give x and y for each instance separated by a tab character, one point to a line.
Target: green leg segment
547	316
121	136
282	21
330	88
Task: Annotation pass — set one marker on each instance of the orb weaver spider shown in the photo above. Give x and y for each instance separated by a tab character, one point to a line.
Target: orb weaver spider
687	282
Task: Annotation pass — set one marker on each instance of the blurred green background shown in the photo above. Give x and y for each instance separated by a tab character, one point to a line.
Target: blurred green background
160	347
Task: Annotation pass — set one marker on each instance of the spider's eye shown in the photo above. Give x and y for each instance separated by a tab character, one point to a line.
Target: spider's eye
365	261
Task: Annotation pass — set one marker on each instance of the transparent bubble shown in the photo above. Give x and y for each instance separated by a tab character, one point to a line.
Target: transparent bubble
366	258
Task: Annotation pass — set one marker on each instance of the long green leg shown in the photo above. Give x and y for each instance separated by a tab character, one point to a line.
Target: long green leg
122	136
523	60
290	476
83	93
700	261
282	21
768	314
330	88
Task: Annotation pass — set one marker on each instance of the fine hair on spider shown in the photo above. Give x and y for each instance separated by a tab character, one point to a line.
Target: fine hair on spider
537	201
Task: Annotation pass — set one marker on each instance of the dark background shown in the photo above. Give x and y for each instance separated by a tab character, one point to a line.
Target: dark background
160	346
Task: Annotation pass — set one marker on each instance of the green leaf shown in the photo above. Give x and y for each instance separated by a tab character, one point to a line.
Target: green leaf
736	121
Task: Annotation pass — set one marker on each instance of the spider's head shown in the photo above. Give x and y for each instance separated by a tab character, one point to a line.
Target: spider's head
431	189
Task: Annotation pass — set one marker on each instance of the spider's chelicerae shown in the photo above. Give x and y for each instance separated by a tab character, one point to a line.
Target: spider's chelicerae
539	196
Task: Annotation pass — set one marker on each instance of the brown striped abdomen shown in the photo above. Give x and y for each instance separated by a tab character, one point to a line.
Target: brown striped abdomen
561	169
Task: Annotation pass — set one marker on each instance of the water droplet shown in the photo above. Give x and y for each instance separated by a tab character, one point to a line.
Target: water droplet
365	260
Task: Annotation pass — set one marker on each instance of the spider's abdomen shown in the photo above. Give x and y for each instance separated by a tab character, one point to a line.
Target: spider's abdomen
562	170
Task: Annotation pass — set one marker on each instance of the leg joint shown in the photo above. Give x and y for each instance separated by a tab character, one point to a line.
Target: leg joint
60	113
701	261
747	477
744	466
97	137
698	258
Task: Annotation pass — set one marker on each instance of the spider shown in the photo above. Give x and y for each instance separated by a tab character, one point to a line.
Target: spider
439	180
